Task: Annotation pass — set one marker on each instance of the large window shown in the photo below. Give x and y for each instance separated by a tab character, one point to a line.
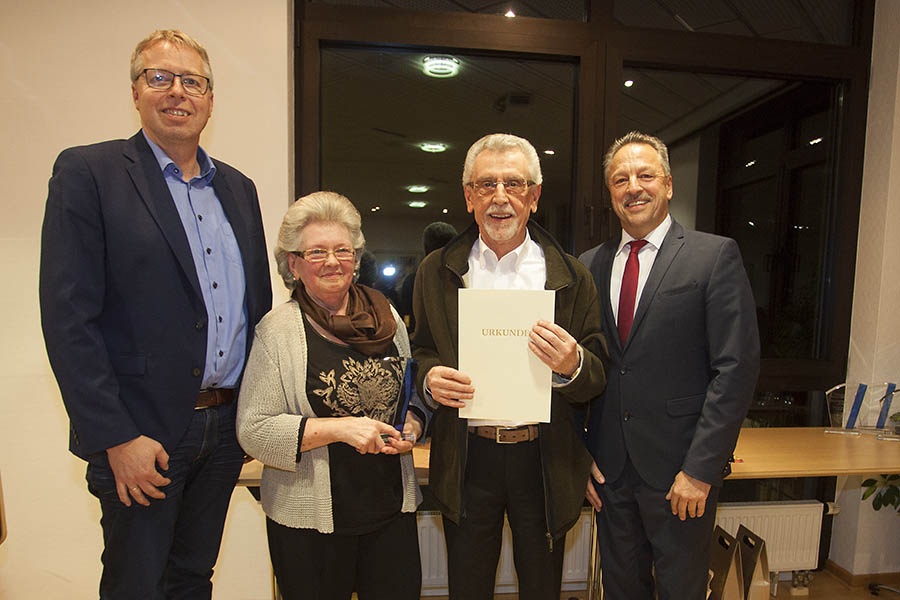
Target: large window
779	88
394	139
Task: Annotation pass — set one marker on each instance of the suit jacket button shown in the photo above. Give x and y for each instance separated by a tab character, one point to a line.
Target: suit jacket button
627	415
623	371
199	325
197	372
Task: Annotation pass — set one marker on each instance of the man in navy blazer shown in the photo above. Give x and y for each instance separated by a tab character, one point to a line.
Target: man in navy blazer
680	379
153	275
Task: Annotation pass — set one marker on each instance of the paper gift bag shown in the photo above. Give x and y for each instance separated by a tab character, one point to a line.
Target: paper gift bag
754	564
725	563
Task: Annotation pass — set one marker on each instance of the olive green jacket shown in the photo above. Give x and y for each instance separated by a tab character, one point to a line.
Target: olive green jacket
564	460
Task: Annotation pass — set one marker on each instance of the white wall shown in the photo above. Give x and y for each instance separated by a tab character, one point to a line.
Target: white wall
65	68
864	541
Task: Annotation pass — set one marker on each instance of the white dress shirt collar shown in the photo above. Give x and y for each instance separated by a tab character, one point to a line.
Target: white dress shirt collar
654	238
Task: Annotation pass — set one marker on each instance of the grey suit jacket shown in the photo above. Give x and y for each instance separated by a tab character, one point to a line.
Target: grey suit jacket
678	390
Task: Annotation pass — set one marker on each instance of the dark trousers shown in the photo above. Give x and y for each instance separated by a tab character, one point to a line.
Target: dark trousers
637	531
383	564
168	549
503	478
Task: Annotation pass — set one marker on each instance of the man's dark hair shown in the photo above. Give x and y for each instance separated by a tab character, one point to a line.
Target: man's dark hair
436	235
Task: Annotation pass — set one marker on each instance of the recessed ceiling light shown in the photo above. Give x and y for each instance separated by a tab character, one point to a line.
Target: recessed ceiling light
629	82
751	223
440	66
375	208
549	152
432	146
750	164
509	14
389	271
417	189
417	204
815	141
445	211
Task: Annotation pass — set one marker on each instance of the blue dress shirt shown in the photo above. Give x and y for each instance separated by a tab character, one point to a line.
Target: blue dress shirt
220	270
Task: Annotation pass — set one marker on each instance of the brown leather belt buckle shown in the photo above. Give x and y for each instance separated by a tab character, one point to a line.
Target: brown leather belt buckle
507	435
214	397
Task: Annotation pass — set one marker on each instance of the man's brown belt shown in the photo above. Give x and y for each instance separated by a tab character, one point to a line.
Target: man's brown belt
507	435
214	397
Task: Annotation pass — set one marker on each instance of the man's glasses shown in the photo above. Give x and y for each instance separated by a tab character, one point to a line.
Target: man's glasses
320	255
513	186
620	182
160	79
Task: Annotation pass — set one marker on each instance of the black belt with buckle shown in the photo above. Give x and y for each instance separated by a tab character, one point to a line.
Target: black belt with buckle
507	435
214	397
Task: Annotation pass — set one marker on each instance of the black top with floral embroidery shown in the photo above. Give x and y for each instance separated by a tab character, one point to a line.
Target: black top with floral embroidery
366	489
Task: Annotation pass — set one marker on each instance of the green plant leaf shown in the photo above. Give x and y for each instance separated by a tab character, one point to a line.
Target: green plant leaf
868	492
868	483
876	502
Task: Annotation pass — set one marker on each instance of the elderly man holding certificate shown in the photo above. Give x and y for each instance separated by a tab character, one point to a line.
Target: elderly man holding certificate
509	278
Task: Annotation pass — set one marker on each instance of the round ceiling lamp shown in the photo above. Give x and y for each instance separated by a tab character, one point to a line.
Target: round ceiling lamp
432	146
440	66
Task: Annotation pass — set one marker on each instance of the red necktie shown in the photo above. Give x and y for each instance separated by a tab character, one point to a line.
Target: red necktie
629	290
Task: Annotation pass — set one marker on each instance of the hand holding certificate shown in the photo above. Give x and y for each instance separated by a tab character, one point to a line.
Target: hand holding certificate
512	381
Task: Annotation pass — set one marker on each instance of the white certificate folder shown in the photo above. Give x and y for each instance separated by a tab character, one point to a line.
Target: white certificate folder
511	383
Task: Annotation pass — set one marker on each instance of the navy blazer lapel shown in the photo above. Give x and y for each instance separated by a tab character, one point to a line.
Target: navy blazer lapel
151	186
233	213
605	274
601	264
671	245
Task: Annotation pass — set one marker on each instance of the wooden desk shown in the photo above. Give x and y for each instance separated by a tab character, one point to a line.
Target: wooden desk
251	473
774	452
768	452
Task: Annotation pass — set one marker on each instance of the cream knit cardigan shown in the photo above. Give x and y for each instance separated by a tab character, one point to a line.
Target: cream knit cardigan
271	402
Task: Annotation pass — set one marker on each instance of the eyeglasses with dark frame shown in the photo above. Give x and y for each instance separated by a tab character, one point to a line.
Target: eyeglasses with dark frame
320	255
161	79
513	186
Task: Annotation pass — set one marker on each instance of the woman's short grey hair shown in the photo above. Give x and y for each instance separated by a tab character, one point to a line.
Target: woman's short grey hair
636	137
176	38
500	142
318	207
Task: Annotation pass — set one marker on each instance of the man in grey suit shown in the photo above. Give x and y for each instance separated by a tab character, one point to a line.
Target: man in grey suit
680	319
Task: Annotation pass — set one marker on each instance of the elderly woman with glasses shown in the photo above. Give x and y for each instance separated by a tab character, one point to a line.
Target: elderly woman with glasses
319	393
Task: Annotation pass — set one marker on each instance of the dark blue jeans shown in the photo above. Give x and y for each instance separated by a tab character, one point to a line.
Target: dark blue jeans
168	549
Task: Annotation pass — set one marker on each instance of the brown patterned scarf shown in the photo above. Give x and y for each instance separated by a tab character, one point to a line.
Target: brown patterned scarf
368	326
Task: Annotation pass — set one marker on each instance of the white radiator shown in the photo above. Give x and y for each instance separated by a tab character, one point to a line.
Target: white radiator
791	529
434	556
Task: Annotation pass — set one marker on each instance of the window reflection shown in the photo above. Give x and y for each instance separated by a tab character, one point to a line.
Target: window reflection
752	159
378	108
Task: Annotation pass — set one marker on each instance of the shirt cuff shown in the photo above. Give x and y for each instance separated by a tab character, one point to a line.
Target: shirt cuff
562	380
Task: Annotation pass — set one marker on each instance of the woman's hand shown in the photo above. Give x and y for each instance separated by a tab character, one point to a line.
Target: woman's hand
412	431
364	434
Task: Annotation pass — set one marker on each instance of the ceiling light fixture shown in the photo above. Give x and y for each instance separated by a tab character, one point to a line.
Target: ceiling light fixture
432	146
375	208
815	141
549	152
750	164
509	14
389	271
417	189
440	66
417	204
445	211
629	82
